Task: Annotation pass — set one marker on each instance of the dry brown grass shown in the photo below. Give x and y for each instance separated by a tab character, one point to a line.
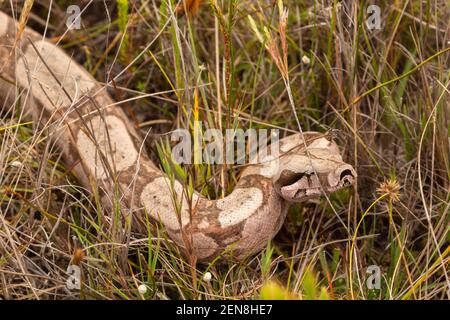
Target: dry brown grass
386	92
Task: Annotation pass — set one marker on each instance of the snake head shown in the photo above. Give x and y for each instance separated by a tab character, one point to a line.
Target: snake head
306	175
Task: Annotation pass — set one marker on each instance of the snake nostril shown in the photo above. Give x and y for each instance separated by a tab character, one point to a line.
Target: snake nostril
345	173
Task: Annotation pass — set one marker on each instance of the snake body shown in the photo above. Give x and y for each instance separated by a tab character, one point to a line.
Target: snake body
104	151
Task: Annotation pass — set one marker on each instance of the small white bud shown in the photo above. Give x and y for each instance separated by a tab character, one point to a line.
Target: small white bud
142	289
207	277
16	164
306	60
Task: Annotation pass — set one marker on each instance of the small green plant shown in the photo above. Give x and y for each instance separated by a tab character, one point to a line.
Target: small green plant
123	18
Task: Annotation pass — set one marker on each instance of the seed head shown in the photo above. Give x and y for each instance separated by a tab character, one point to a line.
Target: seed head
391	187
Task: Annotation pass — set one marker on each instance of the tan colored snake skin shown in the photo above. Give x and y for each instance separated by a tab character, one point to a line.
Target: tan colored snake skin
103	148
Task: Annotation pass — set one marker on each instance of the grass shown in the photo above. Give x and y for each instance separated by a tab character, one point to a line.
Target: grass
232	64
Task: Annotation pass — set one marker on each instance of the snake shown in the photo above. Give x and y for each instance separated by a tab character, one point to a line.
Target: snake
104	151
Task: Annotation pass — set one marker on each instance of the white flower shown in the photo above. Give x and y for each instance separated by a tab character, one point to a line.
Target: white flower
306	60
207	277
142	289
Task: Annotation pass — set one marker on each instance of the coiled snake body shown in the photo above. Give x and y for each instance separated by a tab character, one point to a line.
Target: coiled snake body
104	150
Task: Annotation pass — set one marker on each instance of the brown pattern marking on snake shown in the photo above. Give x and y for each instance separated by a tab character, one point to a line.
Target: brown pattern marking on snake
233	235
223	237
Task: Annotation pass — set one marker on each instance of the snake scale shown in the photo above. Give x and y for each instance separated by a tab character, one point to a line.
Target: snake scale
104	151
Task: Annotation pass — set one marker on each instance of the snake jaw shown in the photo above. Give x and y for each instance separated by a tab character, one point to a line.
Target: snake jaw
303	186
301	190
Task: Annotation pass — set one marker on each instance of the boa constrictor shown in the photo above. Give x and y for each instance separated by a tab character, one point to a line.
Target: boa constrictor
104	150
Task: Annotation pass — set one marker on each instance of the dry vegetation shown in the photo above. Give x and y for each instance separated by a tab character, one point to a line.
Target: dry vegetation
385	93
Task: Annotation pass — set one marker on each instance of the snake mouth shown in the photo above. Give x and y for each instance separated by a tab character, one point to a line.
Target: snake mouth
298	187
303	186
